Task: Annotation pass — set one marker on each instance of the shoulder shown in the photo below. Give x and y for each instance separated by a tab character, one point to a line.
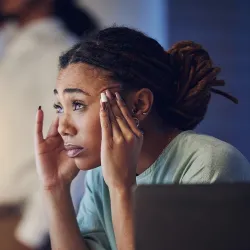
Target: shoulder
52	33
209	148
215	150
213	159
48	40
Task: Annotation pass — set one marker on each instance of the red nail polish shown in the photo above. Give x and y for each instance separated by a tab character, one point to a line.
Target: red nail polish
104	106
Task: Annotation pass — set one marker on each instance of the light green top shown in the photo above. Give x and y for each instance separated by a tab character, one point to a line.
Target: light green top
189	158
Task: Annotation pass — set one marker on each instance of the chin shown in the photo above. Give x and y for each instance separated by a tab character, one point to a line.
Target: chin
87	163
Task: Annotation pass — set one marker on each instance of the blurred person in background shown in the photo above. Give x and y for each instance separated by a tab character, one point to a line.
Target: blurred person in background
33	33
1	36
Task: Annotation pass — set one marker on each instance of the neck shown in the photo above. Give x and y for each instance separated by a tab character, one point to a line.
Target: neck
150	153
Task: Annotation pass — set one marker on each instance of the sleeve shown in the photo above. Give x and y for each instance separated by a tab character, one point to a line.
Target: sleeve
88	217
218	165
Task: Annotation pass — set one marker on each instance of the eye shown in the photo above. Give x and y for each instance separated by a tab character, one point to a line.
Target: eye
78	105
58	108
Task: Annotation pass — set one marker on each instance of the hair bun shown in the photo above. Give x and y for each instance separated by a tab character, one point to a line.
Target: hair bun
196	78
190	58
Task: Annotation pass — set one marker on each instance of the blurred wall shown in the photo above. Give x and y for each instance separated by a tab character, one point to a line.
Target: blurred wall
147	15
223	28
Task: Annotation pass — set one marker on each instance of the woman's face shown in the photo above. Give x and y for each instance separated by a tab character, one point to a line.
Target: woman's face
77	94
12	7
18	7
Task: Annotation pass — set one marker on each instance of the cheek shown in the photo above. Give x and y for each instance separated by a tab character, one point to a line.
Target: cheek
89	132
89	127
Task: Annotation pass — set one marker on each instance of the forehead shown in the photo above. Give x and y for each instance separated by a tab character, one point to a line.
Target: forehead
83	76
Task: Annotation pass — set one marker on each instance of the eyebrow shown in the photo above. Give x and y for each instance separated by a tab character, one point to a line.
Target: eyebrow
72	90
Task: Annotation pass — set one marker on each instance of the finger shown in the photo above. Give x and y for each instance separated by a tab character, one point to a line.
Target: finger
127	115
39	126
53	129
123	125
116	131
104	119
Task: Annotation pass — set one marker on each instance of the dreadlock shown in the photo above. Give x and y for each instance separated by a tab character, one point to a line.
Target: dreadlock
196	81
181	78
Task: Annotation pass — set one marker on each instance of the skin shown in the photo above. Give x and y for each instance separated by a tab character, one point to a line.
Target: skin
110	138
24	11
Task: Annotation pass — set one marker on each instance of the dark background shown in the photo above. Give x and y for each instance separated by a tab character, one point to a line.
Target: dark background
224	30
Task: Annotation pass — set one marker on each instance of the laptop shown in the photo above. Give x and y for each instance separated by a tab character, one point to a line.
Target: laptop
195	217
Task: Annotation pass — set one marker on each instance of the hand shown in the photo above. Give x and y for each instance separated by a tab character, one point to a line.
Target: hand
121	143
54	167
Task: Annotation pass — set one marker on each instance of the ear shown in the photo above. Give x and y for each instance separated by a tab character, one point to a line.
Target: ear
142	103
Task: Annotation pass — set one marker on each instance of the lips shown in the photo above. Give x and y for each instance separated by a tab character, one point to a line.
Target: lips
73	150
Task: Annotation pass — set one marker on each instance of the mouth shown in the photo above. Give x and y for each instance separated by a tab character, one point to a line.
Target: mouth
73	150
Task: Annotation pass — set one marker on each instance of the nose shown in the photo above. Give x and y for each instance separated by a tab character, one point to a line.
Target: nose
66	126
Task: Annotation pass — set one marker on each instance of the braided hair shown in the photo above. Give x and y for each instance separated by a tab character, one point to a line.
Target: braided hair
181	79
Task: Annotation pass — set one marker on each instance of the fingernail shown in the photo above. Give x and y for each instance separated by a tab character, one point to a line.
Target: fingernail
104	98
40	107
118	97
109	95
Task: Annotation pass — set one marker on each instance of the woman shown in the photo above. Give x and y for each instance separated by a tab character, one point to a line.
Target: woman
151	100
